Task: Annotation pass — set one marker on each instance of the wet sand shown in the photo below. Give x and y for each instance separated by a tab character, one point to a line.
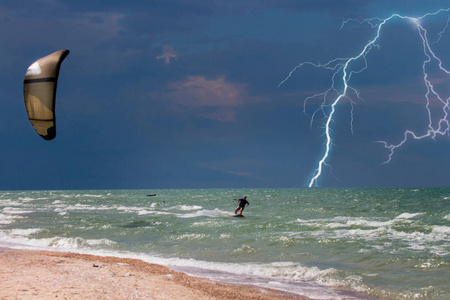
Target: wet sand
50	275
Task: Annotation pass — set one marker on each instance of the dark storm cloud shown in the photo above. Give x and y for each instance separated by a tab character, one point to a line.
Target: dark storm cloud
184	94
329	6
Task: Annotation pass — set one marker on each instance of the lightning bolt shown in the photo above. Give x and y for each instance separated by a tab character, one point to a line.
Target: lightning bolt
343	69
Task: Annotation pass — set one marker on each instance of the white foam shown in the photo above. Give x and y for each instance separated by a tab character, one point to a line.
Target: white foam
26	199
24	232
191	236
188	207
78	207
206	213
22	242
288	276
7	218
245	249
344	222
9	202
20	239
132	209
77	243
15	211
441	229
361	222
415	240
408	215
87	196
93	242
145	212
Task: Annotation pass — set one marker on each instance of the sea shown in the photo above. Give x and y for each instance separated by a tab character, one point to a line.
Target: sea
322	243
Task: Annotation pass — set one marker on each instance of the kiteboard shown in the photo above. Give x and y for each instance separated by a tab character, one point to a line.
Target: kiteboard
238	216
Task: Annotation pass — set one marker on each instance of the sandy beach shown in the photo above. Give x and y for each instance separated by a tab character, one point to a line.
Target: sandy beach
50	275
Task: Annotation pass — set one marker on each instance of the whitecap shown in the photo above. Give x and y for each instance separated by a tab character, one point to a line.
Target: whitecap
188	207
15	211
205	213
245	249
145	212
94	242
77	243
441	229
361	222
26	199
7	219
408	215
191	236
23	232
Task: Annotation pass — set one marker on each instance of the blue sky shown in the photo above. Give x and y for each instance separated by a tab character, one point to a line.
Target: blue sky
184	94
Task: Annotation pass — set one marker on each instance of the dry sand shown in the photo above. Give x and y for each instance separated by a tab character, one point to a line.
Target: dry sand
50	275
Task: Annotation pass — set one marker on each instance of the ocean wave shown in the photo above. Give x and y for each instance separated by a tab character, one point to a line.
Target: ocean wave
441	229
79	206
415	240
7	219
206	213
26	199
191	236
403	240
344	222
15	211
21	239
245	249
88	196
10	202
311	282
146	212
62	208
408	215
187	207
358	222
77	243
209	224
24	232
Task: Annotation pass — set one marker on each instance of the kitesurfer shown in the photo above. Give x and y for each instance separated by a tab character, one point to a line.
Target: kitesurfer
242	203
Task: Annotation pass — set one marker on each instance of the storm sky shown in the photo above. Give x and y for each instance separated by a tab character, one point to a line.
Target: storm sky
184	94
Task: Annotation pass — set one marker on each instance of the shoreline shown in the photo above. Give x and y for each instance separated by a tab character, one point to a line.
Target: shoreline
26	274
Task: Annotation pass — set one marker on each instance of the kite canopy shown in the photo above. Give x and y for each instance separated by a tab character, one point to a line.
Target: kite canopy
39	92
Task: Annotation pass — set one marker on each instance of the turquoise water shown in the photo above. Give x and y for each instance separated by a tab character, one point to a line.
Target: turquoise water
323	243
